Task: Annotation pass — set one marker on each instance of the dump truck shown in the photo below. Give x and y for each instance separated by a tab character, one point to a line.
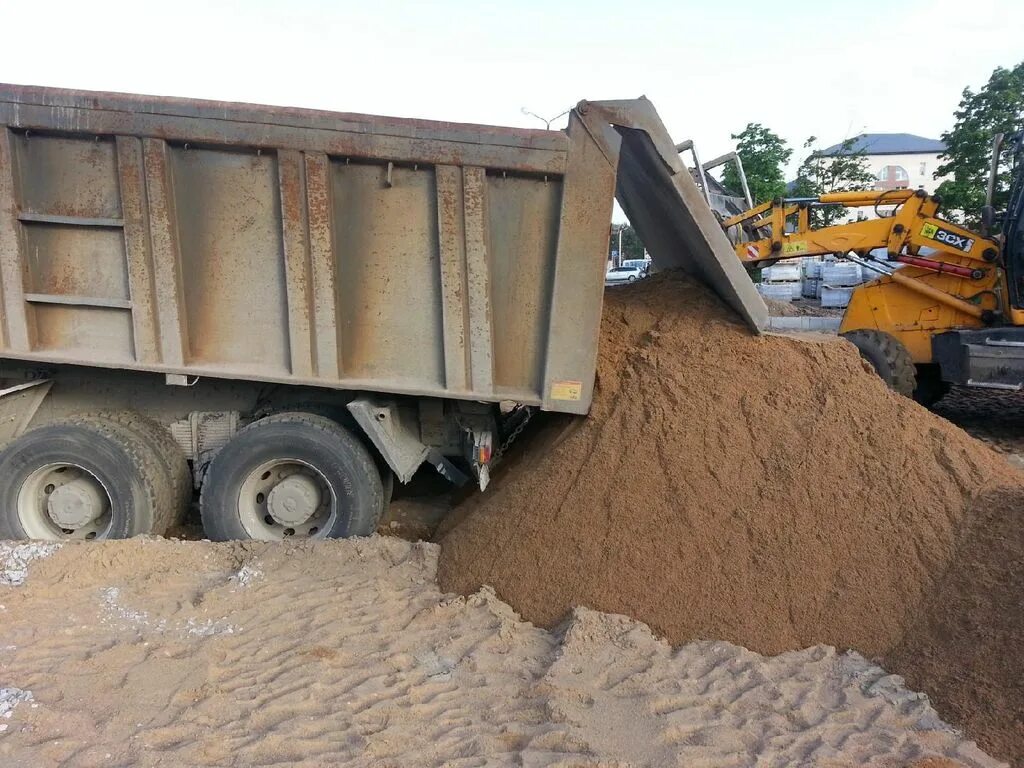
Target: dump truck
287	310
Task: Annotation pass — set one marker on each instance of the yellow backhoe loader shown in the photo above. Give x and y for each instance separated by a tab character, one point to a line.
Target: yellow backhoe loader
947	306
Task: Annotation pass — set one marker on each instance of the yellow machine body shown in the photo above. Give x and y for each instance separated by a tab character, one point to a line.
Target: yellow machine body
912	304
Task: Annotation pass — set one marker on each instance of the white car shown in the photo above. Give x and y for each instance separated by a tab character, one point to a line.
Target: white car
642	264
618	275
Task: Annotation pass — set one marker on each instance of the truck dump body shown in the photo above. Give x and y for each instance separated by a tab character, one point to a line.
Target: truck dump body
327	249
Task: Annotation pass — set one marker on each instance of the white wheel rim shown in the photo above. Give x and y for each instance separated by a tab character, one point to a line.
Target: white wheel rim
264	522
36	513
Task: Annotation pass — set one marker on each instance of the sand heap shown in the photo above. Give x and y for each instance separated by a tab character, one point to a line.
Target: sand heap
345	653
768	491
966	651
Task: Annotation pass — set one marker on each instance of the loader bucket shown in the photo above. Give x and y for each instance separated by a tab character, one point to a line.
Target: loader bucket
665	206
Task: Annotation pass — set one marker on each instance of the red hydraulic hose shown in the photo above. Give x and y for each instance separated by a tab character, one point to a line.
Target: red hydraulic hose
942	267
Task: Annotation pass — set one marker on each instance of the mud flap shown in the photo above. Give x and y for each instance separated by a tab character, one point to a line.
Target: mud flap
393	434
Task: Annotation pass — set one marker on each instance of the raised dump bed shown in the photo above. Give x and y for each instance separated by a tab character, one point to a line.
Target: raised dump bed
402	274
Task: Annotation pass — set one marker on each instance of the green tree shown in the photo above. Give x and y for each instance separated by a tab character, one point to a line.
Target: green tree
844	170
764	155
997	108
632	247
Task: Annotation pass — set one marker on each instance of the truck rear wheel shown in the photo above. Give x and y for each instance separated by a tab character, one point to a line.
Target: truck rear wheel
291	474
171	469
84	478
889	358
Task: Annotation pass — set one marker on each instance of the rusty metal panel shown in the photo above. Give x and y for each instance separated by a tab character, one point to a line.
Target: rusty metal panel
478	281
68	102
98	334
295	231
452	244
523	214
228	222
578	287
70	225
12	266
388	273
322	270
407	141
138	254
75	261
75	177
163	238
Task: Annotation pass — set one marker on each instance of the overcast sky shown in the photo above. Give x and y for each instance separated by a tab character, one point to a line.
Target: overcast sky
824	68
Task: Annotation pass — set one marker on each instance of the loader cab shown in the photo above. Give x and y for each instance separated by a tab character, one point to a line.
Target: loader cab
1012	229
993	358
1007	223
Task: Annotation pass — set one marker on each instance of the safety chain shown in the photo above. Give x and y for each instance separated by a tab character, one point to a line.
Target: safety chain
507	442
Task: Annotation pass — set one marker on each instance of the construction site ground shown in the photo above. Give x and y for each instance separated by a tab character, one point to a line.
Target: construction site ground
853	599
155	652
995	417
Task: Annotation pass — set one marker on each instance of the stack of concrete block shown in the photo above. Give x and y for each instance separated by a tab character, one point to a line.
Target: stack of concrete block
779	278
776	291
810	277
838	281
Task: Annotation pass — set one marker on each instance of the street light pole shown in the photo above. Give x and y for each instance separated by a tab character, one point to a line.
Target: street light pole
546	121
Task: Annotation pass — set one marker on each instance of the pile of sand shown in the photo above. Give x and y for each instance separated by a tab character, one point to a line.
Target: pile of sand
966	651
317	653
768	491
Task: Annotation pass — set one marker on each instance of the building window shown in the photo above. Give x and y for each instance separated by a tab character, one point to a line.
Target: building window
892	177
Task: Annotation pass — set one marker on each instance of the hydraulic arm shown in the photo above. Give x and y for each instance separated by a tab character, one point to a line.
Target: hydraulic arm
945	262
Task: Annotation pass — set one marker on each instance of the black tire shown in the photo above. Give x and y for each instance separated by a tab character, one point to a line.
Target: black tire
890	359
124	465
340	460
387	479
930	386
340	415
172	467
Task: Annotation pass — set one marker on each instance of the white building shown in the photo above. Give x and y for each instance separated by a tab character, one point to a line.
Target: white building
898	160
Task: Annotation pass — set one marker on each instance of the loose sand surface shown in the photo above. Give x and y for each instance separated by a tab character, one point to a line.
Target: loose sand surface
763	491
161	653
767	491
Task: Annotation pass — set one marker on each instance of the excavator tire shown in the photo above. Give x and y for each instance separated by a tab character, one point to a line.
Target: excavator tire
890	359
930	386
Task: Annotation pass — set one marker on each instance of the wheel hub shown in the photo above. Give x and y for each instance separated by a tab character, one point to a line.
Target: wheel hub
284	497
77	503
63	500
293	500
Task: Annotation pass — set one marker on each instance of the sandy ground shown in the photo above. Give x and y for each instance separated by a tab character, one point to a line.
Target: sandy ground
966	649
164	653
